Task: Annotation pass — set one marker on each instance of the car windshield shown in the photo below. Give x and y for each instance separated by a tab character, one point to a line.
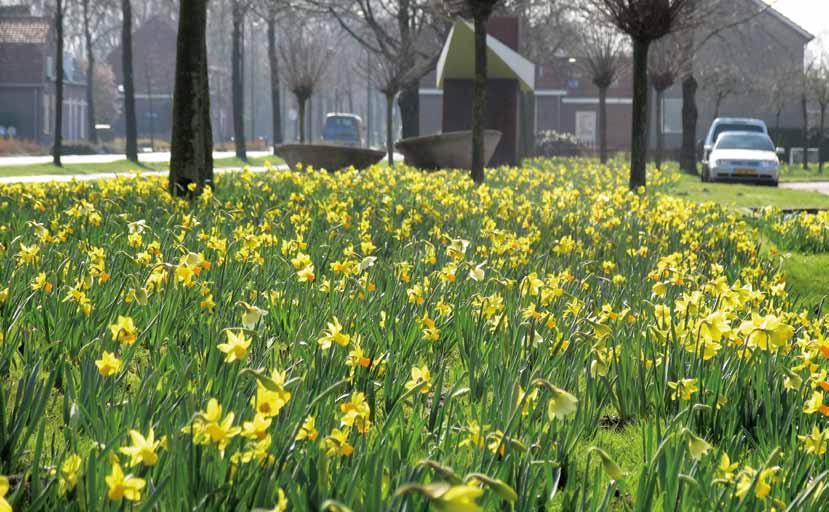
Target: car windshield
745	141
731	127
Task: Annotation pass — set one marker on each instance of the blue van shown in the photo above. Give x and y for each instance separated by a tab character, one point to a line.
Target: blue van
343	129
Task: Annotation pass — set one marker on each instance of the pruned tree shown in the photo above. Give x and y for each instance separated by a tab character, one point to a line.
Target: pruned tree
803	90
663	70
270	10
191	159
104	92
721	83
405	31
818	91
601	50
645	21
130	123
306	55
387	77
94	17
779	90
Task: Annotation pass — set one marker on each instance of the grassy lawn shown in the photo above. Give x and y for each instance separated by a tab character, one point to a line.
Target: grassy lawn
809	285
747	196
798	173
120	166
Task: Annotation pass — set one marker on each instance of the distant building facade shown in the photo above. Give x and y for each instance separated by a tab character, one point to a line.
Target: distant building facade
154	71
765	45
28	76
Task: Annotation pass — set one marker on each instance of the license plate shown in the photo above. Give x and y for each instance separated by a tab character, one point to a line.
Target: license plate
745	172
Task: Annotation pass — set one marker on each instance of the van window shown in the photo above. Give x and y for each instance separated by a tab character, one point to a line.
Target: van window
736	128
341	128
745	141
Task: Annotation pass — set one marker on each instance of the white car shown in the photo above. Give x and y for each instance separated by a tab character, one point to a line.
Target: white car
744	156
722	125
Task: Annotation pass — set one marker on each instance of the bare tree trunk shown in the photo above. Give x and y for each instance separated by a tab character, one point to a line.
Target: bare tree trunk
301	101
369	106
238	80
690	116
805	135
273	59
820	137
639	133
390	128
660	129
687	152
191	159
58	135
409	98
91	133
409	103
717	104
131	126
479	100
603	124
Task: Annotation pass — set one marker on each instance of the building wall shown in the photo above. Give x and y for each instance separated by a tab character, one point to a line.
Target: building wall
22	63
764	49
19	107
618	120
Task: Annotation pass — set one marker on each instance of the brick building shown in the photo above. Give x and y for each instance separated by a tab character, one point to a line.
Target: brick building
27	80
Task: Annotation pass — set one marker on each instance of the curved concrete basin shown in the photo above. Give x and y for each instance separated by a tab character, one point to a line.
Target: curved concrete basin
452	150
330	157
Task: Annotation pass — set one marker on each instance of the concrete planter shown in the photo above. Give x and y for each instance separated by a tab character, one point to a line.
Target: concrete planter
328	156
451	150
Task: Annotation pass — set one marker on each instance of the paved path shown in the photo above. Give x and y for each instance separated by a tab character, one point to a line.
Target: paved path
156	157
46	178
821	187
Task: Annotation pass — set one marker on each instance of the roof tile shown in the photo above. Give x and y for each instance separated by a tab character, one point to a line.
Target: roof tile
24	30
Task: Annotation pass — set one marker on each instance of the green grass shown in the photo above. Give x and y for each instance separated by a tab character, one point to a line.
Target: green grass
794	173
809	285
120	166
747	196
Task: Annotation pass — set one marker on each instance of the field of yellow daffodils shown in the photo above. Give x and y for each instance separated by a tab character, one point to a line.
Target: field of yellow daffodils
397	340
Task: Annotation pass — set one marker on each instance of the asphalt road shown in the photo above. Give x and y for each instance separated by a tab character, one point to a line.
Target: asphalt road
156	157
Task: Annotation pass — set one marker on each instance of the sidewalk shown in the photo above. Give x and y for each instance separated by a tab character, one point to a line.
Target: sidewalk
821	187
156	157
63	178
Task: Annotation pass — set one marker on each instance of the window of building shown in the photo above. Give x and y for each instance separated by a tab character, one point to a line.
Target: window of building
672	115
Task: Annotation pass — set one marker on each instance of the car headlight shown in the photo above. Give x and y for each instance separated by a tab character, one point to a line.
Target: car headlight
716	163
769	164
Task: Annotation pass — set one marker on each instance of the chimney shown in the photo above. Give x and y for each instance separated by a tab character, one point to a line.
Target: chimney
505	30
